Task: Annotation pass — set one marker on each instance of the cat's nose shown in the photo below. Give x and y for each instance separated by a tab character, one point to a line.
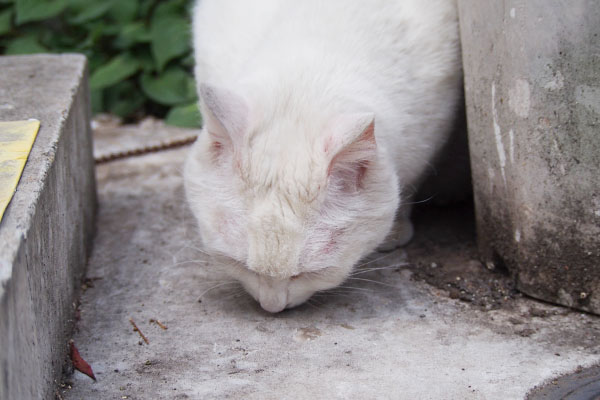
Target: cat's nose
272	295
272	305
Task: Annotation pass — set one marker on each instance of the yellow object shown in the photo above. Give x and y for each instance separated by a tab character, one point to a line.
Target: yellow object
16	140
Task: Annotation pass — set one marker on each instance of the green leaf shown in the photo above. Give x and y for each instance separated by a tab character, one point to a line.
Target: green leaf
170	38
145	58
174	86
146	7
95	10
96	60
5	18
116	70
25	45
131	34
187	116
95	32
36	10
124	11
171	7
124	99
188	61
78	6
97	100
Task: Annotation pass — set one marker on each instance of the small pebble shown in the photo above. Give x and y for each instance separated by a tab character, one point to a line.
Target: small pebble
536	312
526	332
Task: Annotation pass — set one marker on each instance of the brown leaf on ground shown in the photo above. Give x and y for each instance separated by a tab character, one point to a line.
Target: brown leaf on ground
79	363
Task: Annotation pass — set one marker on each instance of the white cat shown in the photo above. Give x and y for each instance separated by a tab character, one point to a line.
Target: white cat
317	115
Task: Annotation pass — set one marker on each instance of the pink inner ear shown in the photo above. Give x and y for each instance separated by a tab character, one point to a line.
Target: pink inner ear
216	148
351	161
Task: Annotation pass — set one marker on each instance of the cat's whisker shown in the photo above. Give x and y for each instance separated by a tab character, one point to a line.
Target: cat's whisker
373	281
174	255
331	294
310	303
236	294
419	201
197	249
376	259
360	271
356	288
203	262
215	287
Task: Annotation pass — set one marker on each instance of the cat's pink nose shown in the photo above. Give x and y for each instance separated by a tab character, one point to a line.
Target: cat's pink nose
273	302
272	307
272	294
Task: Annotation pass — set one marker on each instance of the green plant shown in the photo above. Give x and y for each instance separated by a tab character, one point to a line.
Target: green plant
138	50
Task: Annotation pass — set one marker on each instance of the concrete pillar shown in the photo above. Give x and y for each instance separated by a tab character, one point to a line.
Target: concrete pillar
532	83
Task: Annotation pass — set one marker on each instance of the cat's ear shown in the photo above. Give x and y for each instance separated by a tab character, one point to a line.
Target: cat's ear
226	115
350	147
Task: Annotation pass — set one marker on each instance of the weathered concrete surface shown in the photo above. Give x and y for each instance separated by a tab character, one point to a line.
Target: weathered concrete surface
46	233
398	339
533	103
583	384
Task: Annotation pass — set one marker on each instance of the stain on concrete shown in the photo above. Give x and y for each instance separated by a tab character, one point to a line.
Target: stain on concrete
307	333
519	98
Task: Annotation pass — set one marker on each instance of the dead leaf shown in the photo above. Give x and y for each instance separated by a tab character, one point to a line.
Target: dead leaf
79	363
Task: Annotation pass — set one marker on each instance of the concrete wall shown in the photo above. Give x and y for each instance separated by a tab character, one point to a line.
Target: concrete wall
532	82
46	233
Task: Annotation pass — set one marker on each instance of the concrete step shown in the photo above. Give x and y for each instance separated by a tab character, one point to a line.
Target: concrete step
46	232
432	323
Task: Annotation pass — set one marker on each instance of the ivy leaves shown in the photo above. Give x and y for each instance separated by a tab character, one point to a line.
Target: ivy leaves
138	50
37	10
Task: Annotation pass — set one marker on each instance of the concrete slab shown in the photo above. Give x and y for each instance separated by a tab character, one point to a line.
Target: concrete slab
46	232
396	336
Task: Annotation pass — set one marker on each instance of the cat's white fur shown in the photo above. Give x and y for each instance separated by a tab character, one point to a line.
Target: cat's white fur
318	115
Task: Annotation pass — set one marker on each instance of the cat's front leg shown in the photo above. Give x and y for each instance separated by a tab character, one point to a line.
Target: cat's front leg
401	233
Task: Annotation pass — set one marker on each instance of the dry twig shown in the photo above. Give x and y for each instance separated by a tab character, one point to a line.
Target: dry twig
157	322
136	329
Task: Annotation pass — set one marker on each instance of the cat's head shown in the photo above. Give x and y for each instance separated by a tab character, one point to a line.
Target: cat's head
291	203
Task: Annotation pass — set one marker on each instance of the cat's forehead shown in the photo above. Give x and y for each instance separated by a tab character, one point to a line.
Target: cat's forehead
283	164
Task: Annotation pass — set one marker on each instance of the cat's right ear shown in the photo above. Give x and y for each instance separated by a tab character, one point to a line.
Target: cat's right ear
225	116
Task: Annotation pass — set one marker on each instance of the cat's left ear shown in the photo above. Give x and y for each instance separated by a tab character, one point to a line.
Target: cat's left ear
350	147
226	114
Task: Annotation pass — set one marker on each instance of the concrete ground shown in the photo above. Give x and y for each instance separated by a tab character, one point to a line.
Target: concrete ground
433	323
